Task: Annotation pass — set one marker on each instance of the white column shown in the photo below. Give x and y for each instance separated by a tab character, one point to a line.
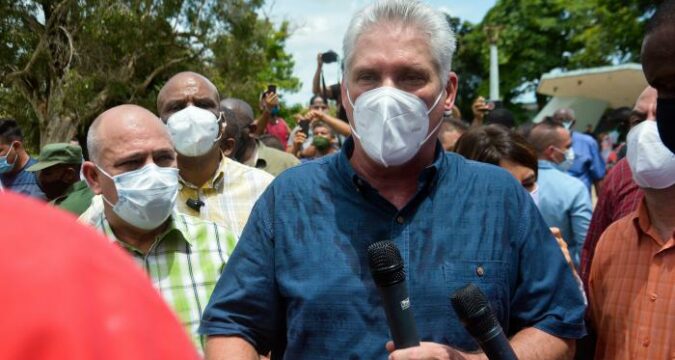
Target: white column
494	73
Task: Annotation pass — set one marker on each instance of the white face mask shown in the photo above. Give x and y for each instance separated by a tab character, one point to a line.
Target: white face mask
194	131
652	163
145	197
391	124
567	163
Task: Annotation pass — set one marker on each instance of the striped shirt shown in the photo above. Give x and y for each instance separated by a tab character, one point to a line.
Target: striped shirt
184	264
228	197
632	291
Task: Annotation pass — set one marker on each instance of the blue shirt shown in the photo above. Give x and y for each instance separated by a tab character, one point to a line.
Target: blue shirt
23	182
298	281
588	165
564	202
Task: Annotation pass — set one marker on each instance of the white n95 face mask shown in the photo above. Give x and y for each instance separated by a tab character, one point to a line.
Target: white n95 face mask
145	197
652	163
193	130
391	124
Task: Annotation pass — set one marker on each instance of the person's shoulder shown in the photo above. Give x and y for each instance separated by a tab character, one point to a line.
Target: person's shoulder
478	171
197	227
583	138
308	171
278	155
235	170
616	236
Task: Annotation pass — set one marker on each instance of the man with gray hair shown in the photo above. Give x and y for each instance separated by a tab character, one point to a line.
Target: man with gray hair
133	168
298	284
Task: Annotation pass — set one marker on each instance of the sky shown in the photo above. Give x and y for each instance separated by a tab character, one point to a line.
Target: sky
320	24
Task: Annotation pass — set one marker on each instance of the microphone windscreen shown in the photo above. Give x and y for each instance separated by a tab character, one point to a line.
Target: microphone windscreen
473	310
386	264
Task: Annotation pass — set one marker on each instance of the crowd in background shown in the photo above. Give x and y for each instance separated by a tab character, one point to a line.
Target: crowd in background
175	187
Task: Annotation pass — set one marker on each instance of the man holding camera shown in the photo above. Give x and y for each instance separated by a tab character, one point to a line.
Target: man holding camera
308	293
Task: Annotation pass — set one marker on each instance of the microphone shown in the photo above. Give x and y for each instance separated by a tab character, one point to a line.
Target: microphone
474	312
194	204
386	267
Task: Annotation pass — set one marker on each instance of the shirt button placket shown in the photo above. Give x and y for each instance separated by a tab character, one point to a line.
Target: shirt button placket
400	219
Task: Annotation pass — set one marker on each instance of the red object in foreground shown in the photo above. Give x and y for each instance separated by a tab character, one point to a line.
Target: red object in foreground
68	293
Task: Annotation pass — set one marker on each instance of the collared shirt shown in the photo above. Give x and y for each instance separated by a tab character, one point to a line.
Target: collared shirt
632	291
228	196
76	199
588	165
565	203
272	160
303	260
184	264
620	196
23	182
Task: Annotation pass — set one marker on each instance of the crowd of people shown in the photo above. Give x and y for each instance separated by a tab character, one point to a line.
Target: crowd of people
254	233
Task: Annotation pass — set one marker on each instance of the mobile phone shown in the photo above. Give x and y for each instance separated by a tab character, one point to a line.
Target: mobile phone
304	126
271	88
329	56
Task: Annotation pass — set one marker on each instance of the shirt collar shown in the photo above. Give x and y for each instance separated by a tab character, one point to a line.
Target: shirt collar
643	225
175	228
428	175
216	182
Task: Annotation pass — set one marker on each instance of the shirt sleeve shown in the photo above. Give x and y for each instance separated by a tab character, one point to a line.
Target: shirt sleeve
580	219
598	167
546	294
245	301
599	222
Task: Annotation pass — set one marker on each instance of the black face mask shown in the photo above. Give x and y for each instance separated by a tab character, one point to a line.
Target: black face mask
54	189
665	120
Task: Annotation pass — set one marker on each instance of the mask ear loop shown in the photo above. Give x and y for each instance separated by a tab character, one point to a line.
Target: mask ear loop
221	129
432	132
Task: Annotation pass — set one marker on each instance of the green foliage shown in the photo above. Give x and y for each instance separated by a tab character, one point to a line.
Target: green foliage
62	62
538	36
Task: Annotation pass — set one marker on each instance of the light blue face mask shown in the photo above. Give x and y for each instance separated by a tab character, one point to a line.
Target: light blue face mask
5	166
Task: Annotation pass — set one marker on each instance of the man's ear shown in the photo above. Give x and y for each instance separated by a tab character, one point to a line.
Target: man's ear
227	147
70	175
451	91
92	177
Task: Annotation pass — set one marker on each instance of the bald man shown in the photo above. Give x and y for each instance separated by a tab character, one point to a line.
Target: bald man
588	165
620	195
564	201
211	186
133	168
240	144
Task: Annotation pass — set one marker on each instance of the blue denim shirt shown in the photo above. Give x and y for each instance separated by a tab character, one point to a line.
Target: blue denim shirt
588	165
298	281
23	182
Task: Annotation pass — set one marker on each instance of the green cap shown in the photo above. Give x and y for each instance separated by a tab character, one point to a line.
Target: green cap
59	153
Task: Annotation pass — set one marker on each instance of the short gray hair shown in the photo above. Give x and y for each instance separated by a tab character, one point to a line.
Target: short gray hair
430	22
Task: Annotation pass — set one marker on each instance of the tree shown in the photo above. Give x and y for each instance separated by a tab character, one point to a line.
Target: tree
68	60
538	36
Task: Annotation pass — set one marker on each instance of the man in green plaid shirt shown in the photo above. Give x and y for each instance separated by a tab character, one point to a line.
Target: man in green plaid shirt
133	167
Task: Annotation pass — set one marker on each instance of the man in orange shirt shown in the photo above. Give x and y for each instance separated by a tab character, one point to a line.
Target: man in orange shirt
632	278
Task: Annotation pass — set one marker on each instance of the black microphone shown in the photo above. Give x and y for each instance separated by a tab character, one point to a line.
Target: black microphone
386	266
194	204
474	311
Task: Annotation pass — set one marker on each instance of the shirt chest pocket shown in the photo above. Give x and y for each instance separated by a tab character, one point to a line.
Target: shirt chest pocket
491	277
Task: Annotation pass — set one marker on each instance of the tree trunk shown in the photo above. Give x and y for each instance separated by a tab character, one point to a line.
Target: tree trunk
59	128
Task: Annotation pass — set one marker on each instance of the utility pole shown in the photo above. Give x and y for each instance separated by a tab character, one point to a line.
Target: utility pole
492	32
